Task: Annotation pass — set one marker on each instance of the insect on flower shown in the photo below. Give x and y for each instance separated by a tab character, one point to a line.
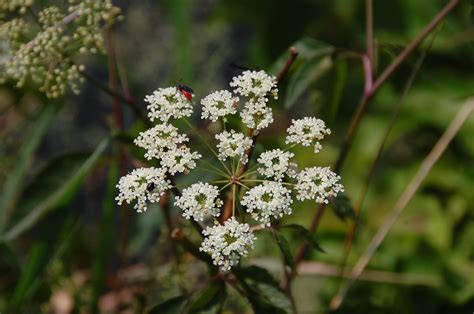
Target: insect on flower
150	187
186	90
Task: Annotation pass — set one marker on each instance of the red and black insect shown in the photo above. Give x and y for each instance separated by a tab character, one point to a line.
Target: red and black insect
187	91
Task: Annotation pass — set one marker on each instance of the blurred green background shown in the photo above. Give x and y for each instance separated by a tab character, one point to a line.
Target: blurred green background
58	167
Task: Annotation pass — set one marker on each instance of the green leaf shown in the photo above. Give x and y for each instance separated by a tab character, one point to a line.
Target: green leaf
342	207
307	48
171	306
61	195
213	295
258	274
306	73
304	233
263	306
267	299
285	250
13	184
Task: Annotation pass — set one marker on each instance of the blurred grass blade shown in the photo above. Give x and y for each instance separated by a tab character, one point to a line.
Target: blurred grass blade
13	184
341	69
106	242
64	193
180	12
30	270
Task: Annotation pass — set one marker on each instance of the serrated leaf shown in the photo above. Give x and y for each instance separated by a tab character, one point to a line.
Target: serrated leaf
12	185
263	300
285	250
258	274
342	207
171	306
304	233
64	192
211	296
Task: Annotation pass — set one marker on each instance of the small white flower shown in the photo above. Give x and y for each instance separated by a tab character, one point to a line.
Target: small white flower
307	131
318	183
228	243
266	201
179	159
256	116
233	144
159	139
255	85
200	200
218	104
275	163
166	103
143	185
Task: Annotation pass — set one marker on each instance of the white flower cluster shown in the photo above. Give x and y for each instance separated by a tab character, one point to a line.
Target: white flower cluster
143	185
275	163
200	200
269	184
166	103
159	140
307	131
318	183
257	86
227	243
270	200
233	144
218	104
46	58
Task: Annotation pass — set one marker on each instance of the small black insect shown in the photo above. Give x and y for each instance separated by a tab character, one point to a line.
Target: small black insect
150	187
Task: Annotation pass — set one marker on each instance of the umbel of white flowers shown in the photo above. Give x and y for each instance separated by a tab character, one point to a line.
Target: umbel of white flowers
269	185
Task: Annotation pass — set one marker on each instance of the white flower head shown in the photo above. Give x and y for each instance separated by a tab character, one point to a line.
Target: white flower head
266	201
255	85
307	131
318	183
256	115
233	144
218	104
275	163
228	243
143	185
159	139
179	159
166	103
200	200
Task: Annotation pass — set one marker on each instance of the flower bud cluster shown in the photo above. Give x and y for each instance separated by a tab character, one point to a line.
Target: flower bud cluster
44	54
